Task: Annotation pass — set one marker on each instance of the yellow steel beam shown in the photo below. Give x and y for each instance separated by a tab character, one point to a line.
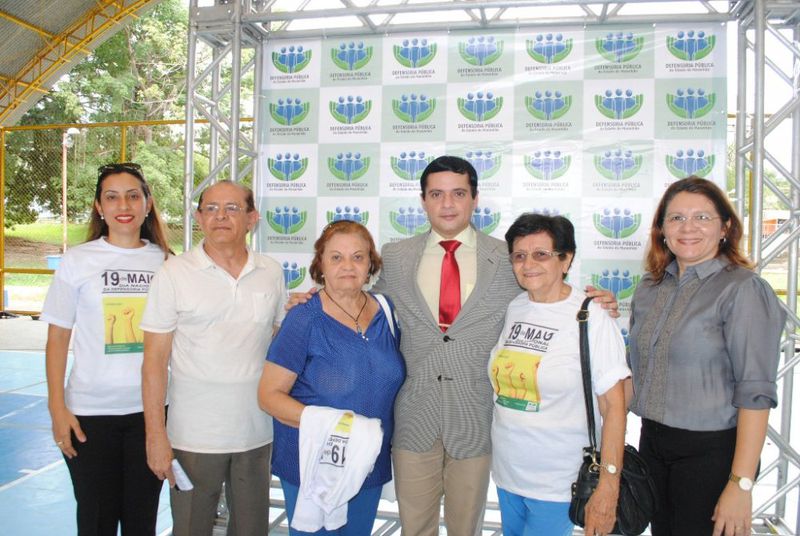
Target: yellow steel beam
25	24
154	122
40	271
62	48
12	81
29	26
2	216
123	142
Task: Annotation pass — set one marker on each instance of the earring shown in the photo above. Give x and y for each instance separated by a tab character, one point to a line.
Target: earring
102	217
723	240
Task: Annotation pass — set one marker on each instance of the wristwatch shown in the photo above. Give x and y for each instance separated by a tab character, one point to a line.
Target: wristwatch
744	483
610	468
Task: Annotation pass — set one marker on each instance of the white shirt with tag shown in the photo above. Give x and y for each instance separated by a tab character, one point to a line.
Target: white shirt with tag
338	450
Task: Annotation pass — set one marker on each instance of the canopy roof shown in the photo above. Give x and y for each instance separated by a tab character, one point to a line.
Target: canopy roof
41	40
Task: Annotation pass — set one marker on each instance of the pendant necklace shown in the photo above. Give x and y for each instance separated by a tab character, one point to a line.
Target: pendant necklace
354	318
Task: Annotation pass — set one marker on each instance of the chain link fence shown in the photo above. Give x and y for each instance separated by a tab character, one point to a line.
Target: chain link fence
49	175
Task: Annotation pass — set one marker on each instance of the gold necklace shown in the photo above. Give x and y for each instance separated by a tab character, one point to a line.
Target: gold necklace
354	318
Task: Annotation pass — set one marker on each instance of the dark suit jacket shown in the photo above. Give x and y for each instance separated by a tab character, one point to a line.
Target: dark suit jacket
447	393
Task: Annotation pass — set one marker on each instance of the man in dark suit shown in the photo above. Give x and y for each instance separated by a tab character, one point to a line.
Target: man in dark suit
443	413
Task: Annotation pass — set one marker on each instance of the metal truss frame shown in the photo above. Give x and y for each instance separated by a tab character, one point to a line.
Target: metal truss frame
767	30
59	52
219	33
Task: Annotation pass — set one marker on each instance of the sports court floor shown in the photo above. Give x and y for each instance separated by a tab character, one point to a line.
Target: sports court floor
35	489
36	496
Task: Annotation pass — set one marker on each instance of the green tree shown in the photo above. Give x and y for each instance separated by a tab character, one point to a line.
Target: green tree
136	75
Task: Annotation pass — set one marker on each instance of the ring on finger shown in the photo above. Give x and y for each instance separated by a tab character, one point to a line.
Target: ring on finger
59	443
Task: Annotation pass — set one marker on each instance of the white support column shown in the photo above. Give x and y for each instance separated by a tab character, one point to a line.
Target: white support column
757	183
188	141
741	118
792	268
236	84
258	180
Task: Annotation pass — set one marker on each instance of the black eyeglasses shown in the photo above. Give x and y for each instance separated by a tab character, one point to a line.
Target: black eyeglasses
119	167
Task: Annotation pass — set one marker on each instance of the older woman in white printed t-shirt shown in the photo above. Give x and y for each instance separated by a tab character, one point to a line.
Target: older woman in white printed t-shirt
539	426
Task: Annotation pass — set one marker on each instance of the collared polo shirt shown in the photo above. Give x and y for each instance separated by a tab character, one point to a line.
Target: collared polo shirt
222	327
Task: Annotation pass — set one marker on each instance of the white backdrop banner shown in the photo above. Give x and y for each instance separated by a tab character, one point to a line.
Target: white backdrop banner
592	124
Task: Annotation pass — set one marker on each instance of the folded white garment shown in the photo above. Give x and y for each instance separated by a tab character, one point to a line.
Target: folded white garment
338	449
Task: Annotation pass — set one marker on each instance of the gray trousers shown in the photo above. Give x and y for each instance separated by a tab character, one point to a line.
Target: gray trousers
246	476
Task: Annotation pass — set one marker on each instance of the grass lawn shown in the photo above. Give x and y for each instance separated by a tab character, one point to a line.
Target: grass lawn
27	246
777	281
28	280
49	233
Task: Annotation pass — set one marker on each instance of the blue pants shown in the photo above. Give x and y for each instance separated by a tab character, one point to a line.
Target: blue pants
531	517
361	512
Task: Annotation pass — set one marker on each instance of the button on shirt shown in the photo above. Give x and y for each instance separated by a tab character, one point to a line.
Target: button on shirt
703	345
430	267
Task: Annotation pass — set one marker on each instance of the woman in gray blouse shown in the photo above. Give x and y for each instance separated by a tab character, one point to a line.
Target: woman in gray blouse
705	332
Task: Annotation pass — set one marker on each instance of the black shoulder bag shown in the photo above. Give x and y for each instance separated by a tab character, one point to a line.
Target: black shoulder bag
637	494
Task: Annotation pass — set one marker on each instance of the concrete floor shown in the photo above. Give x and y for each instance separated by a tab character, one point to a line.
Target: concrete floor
22	333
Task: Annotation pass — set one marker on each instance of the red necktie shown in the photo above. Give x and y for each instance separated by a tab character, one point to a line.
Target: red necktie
450	285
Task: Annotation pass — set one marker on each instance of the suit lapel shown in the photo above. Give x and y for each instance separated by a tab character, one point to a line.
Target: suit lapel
410	262
487	266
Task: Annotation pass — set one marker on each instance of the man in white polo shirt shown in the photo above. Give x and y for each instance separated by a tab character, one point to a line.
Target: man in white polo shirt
209	319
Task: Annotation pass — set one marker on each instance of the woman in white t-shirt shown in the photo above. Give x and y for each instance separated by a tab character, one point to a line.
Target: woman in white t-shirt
539	425
99	292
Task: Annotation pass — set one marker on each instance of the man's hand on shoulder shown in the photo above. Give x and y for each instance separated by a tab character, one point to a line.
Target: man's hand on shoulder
605	298
296	298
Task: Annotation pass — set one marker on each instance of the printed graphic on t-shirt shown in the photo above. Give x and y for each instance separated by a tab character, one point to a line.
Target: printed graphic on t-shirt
514	371
333	453
124	296
514	380
532	337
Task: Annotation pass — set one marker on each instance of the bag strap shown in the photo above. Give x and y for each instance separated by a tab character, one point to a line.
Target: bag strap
387	310
586	371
